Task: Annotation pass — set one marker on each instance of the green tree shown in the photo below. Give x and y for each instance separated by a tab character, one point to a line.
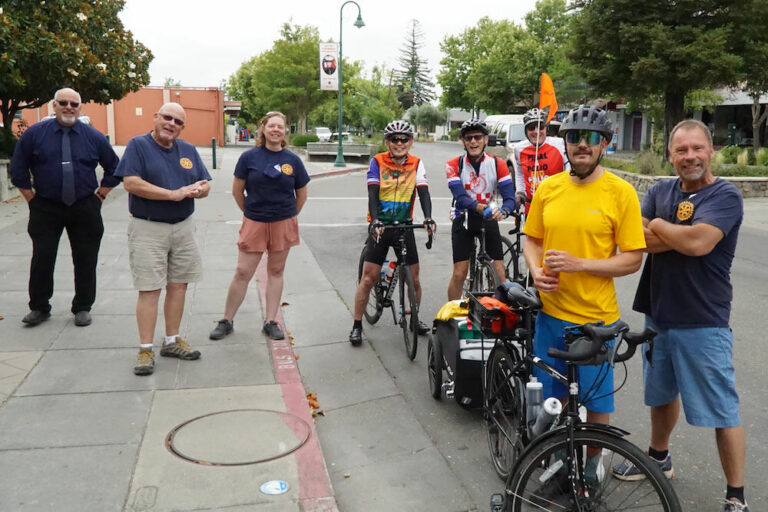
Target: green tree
81	44
755	70
639	49
283	78
413	82
171	82
427	116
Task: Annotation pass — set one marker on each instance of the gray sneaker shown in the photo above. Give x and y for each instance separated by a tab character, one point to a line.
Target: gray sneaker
223	327
734	505
145	364
272	330
180	349
629	473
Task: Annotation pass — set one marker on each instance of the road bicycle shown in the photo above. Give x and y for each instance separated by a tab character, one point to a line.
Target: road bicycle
515	267
481	275
405	312
547	466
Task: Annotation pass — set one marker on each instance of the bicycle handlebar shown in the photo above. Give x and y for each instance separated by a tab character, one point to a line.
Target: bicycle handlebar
591	348
412	226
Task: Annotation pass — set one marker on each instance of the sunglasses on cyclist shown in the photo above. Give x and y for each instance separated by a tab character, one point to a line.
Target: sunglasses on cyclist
478	137
534	127
401	140
168	119
575	137
64	103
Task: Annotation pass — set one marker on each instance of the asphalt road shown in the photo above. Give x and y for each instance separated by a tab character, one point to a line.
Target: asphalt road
333	226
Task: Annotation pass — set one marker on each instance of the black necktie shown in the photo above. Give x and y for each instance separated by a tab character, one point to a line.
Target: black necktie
67	172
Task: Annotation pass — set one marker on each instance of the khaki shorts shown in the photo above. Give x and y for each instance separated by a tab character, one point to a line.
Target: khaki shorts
161	253
268	236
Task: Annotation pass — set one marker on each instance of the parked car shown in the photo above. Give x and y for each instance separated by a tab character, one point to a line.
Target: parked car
323	133
346	137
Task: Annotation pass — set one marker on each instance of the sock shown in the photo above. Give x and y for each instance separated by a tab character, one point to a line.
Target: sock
735	492
145	346
658	454
170	339
358	324
592	466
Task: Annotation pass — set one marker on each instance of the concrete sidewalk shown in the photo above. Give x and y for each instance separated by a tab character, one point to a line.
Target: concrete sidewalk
80	432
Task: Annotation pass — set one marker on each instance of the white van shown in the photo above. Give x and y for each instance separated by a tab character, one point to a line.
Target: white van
504	131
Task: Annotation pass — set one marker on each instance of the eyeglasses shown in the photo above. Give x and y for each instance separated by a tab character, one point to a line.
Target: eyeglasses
478	137
401	140
167	118
64	103
575	137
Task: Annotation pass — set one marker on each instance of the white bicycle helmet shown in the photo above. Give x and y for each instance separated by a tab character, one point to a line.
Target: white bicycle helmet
398	126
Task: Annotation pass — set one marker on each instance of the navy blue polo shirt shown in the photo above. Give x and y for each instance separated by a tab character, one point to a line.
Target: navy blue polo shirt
271	179
679	291
169	168
38	152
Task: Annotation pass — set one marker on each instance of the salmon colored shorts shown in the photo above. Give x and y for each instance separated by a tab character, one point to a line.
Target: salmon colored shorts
268	236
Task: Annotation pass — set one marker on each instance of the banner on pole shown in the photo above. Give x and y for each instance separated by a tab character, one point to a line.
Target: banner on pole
547	100
329	67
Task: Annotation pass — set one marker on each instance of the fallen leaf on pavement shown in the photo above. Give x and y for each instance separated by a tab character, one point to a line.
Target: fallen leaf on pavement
285	304
1	317
296	356
346	475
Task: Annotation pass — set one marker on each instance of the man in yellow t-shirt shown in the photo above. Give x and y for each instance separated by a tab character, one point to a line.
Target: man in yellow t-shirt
575	225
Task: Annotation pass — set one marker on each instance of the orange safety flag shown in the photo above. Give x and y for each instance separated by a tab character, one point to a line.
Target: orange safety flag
547	100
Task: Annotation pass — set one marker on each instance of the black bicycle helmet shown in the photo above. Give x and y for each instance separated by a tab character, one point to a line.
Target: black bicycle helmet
534	116
473	125
588	118
398	127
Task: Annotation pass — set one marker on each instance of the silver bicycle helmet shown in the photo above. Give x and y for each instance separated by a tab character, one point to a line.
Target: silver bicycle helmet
588	118
398	126
473	125
534	116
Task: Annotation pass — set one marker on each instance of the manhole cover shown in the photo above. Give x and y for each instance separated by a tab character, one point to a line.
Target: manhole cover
238	437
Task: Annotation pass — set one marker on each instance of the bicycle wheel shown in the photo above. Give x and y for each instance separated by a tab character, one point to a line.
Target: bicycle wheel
508	257
409	313
435	367
542	481
486	279
503	398
374	307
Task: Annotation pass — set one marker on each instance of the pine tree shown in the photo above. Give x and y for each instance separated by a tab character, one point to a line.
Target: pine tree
414	85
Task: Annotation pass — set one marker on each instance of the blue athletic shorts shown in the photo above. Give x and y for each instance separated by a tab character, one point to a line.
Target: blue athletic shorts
550	333
696	364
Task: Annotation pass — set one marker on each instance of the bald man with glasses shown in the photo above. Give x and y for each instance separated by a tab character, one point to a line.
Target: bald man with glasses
54	168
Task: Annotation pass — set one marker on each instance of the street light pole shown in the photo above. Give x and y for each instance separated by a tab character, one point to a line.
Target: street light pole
359	24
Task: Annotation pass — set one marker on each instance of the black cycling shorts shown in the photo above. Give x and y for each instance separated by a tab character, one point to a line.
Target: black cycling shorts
377	252
463	239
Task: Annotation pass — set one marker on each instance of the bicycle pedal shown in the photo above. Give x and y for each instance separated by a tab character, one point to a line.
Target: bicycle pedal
387	303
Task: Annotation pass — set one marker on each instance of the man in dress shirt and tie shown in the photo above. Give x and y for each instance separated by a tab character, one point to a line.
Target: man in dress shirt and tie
54	168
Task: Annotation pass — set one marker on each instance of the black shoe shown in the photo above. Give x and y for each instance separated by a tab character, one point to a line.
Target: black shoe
223	327
423	328
556	489
356	336
34	318
272	330
82	318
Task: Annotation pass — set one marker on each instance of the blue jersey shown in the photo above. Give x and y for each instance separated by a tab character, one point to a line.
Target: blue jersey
680	291
171	169
271	179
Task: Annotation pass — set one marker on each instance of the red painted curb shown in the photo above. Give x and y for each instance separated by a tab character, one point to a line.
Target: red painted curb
326	174
315	490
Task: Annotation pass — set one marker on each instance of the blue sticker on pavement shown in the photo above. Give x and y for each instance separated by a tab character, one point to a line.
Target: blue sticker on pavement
274	487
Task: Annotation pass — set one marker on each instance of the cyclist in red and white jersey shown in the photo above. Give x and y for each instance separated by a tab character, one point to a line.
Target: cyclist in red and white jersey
537	157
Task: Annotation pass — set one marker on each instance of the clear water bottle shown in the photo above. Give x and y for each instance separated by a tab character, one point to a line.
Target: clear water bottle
547	415
534	395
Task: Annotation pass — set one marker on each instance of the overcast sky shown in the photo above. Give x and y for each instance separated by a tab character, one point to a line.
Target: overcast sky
202	42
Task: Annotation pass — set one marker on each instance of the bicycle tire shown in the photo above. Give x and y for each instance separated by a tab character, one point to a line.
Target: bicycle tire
504	413
486	279
409	313
508	257
374	307
435	367
536	486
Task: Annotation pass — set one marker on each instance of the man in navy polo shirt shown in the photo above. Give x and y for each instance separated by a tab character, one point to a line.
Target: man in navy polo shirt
691	227
164	176
61	156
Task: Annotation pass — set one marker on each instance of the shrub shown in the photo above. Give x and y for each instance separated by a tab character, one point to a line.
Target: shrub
302	139
728	154
7	143
648	163
740	171
762	157
454	134
746	157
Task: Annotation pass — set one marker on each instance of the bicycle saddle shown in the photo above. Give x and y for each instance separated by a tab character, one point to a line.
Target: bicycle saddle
514	295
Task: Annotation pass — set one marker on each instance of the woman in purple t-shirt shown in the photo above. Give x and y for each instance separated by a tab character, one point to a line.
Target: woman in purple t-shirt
270	188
